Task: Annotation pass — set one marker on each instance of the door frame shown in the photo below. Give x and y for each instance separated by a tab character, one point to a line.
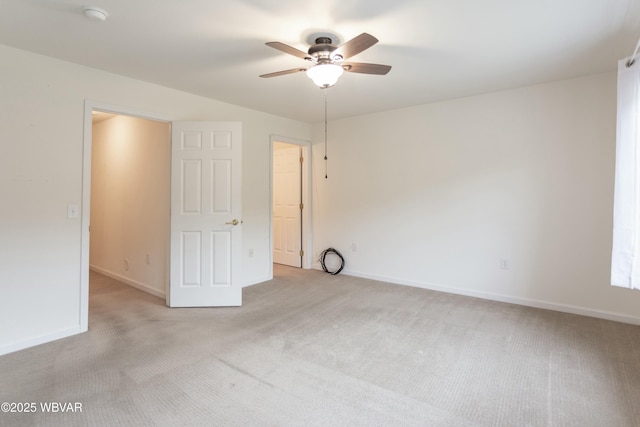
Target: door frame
85	219
307	240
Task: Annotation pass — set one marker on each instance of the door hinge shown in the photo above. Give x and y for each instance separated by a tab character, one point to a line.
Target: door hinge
301	159
301	206
301	253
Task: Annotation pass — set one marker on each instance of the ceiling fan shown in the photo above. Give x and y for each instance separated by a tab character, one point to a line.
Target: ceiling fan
327	59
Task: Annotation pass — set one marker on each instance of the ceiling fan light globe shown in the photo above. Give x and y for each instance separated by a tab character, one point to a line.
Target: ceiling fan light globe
325	75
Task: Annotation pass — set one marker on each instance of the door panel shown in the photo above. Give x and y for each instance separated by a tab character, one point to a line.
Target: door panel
205	201
287	198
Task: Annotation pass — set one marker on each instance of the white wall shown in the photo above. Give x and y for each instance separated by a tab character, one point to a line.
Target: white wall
41	134
130	201
435	195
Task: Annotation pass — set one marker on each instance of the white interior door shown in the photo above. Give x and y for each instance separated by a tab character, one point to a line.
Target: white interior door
287	204
205	214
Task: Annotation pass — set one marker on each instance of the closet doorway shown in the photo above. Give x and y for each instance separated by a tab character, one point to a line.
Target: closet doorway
290	202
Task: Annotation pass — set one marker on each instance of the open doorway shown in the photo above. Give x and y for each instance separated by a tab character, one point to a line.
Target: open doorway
120	131
130	200
222	144
291	203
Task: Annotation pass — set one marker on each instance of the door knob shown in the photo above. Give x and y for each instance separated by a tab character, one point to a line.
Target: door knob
234	222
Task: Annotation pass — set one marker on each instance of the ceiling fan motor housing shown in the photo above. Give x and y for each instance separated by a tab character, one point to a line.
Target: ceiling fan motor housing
321	51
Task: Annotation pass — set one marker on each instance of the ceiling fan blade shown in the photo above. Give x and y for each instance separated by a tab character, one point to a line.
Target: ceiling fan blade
363	68
355	46
288	49
282	73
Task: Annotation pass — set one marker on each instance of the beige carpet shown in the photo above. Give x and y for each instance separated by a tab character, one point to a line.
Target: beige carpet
312	349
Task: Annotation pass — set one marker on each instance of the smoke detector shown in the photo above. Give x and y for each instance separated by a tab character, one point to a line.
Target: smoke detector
95	13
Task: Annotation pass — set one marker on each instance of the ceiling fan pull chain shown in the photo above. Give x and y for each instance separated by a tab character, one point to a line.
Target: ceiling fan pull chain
325	133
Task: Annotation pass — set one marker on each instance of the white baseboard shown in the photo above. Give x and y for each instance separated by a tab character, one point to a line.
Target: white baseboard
258	281
501	298
30	342
133	283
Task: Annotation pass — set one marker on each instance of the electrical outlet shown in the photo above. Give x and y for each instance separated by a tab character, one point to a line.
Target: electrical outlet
126	264
250	253
354	247
505	264
73	211
148	258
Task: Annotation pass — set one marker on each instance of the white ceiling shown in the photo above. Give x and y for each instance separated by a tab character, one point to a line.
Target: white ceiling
439	49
